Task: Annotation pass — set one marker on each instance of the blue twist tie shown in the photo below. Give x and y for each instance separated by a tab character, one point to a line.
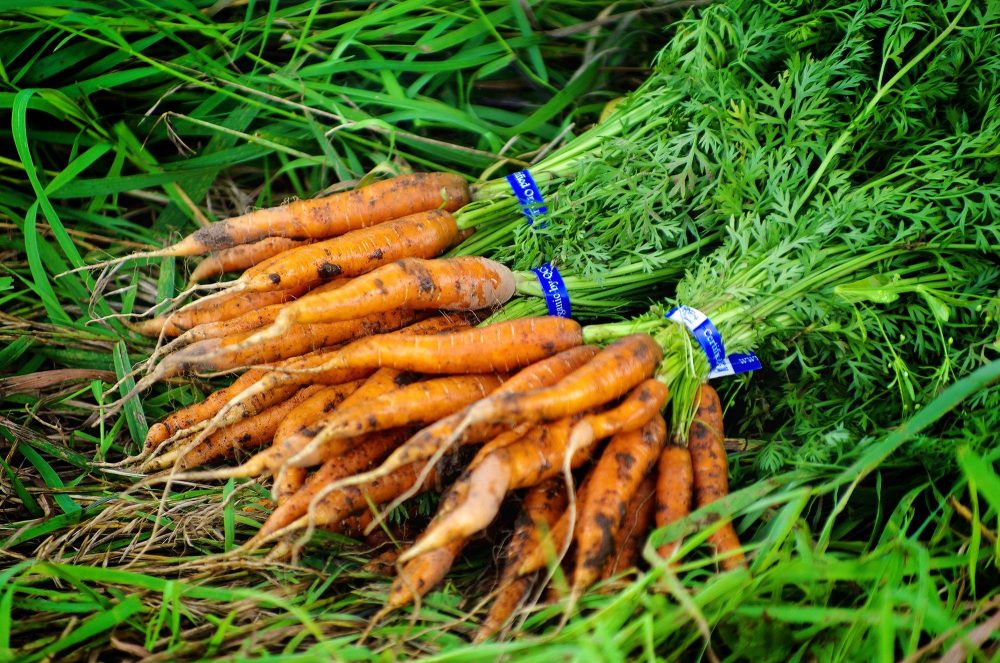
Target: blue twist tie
528	195
710	340
554	290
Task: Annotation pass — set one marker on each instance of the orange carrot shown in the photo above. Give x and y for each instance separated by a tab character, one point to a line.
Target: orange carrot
625	462
288	484
217	309
639	407
422	235
608	376
217	354
429	441
370	450
419	403
328	216
556	539
542	507
461	284
419	575
674	484
238	258
535	457
199	412
245	435
631	536
711	473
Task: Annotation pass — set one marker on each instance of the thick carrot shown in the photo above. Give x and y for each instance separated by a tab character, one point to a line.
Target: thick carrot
328	216
542	507
422	235
535	457
319	403
614	480
218	309
632	534
368	451
711	473
428	442
638	407
674	485
216	354
239	258
419	575
609	375
460	284
420	403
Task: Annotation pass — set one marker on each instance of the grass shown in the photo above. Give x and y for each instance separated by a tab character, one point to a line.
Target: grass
133	123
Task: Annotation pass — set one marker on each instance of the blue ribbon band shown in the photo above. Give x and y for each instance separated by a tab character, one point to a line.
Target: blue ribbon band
528	195
554	290
708	337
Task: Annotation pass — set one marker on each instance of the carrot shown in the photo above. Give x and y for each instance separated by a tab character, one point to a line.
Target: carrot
308	369
371	449
383	381
422	235
535	457
217	309
428	443
193	414
419	575
625	462
542	507
463	284
420	403
238	258
609	375
328	216
674	485
253	319
551	543
631	536
710	471
288	484
248	434
217	354
319	403
638	407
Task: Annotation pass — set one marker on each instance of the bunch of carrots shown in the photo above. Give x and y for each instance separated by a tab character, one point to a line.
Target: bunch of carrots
370	377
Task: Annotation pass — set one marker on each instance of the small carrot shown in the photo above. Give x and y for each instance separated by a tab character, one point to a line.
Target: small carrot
288	484
711	473
631	536
638	407
463	284
368	451
558	537
535	457
674	485
543	504
625	462
215	310
420	403
429	442
193	414
253	319
419	575
245	435
239	258
609	375
329	216
383	381
217	354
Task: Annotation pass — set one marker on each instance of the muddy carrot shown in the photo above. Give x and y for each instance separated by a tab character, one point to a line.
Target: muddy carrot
217	309
632	535
674	485
711	473
638	407
239	258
